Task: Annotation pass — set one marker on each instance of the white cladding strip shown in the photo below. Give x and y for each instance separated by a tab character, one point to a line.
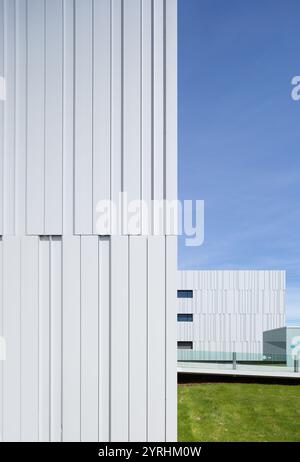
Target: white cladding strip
90	316
10	117
2	89
1	109
1	334
90	110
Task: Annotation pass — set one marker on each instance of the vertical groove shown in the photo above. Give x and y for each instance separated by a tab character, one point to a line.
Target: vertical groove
4	113
45	109
99	308
164	106
111	196
74	115
141	112
50	338
152	111
166	336
122	100
38	338
63	113
147	340
128	340
26	121
80	340
20	330
110	336
4	330
110	108
93	91
3	122
14	202
2	334
62	338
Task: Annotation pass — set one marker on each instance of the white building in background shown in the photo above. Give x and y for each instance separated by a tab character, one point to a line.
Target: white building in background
228	311
88	109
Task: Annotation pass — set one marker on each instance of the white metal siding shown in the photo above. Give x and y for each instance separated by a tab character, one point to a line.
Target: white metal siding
90	322
91	90
81	307
231	309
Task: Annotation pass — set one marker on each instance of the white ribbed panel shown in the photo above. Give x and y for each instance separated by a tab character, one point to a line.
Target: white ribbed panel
90	322
35	160
11	316
95	357
171	340
2	335
138	319
1	109
90	109
44	338
231	308
29	306
156	339
53	188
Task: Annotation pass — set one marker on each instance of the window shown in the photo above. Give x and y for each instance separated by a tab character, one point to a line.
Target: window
184	294
184	317
185	345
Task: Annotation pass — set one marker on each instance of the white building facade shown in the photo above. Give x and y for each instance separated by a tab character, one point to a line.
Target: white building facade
228	311
88	110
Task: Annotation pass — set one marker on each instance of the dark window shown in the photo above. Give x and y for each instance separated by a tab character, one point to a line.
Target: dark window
185	345
184	317
184	294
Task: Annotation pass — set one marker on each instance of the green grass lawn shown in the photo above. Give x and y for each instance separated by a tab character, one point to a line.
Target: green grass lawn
238	412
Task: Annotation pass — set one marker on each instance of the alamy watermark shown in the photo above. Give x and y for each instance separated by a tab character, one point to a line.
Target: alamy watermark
154	217
295	94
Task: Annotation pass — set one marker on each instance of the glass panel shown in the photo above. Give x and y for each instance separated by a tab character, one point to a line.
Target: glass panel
274	364
184	294
184	345
185	317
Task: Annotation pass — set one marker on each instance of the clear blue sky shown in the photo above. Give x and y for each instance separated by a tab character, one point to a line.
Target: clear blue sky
239	135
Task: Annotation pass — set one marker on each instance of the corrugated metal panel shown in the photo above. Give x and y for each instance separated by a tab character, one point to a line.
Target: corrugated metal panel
90	112
156	338
119	339
60	156
231	308
89	275
138	252
81	307
1	109
11	331
171	339
71	339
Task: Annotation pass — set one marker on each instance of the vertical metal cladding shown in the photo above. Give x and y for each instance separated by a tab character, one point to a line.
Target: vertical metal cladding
90	356
90	109
231	309
89	320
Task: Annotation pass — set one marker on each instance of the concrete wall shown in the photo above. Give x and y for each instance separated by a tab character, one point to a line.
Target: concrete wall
231	308
89	320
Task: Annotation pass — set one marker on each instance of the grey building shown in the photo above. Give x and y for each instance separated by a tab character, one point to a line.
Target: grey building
282	344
